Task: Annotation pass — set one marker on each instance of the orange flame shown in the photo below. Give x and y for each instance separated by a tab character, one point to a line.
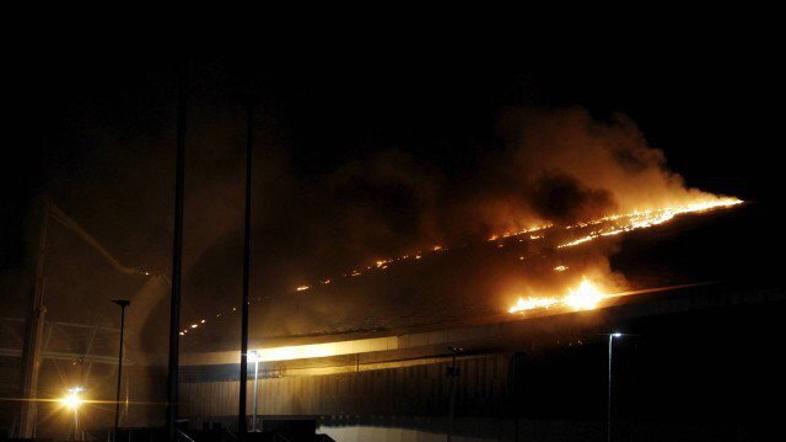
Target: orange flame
646	218
584	297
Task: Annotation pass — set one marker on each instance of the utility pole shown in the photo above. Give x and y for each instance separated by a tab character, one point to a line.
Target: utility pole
123	304
610	384
34	330
242	423
453	374
177	256
254	418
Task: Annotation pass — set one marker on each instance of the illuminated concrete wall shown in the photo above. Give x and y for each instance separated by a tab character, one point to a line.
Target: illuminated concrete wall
408	388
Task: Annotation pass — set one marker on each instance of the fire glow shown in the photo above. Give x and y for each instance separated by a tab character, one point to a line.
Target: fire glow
584	297
644	219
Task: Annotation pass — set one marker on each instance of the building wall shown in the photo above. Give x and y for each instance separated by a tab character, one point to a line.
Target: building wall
407	388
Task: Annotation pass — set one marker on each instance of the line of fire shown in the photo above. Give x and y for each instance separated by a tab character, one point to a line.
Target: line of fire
187	271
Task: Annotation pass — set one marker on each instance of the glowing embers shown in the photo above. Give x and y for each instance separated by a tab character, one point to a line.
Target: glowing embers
584	297
532	304
194	326
495	237
383	263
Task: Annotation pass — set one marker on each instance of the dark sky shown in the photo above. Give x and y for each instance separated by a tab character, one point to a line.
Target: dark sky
701	104
98	131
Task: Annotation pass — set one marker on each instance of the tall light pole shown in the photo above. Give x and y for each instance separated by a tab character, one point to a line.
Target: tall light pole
34	332
453	374
611	348
123	303
255	356
73	401
177	259
242	422
77	433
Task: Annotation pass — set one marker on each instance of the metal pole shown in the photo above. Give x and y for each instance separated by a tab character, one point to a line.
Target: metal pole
242	424
453	373
123	304
256	392
608	430
34	329
77	435
177	252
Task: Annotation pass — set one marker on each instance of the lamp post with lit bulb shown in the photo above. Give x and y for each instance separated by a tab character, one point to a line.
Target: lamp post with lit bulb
611	347
453	374
123	304
73	402
255	358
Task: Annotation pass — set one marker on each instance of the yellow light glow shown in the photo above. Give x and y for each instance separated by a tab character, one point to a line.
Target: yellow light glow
72	401
295	352
326	349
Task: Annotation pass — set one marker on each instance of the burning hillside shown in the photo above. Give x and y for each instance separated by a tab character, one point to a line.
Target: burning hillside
526	270
563	180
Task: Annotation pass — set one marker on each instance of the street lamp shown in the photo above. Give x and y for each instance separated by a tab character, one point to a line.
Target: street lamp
123	304
73	401
255	356
453	374
611	346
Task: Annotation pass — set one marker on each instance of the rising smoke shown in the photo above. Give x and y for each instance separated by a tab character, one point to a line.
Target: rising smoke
559	166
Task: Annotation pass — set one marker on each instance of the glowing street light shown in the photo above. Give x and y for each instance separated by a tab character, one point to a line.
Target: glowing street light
453	374
612	336
123	303
255	357
73	401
